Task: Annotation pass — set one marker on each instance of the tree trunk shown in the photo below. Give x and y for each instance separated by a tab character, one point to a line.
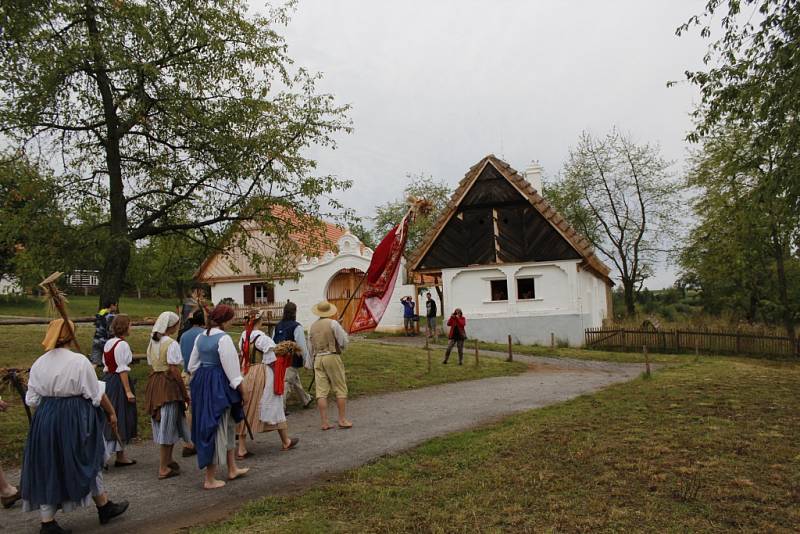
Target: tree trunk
630	297
441	300
783	292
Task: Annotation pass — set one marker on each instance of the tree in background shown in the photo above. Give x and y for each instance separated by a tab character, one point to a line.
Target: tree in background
749	95
177	116
419	185
164	266
620	196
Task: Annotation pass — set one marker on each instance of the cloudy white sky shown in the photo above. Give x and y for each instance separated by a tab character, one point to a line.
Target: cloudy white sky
435	85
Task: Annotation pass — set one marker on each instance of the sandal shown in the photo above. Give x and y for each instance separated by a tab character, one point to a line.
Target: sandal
346	427
124	464
8	502
188	451
248	454
172	473
292	444
175	466
324	428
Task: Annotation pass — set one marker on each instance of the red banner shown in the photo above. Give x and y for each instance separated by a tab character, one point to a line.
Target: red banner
381	278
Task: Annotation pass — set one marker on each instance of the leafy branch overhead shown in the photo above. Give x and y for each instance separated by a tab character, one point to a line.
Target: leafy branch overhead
177	115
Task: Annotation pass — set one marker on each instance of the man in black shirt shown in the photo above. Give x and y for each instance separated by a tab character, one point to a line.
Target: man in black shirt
430	314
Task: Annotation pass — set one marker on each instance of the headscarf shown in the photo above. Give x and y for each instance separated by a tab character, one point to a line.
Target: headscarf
164	322
58	333
221	313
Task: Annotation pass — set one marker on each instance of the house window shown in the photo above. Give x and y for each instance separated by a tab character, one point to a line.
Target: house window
499	289
263	293
526	289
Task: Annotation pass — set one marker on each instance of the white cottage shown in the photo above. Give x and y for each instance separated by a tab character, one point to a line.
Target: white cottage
333	275
511	262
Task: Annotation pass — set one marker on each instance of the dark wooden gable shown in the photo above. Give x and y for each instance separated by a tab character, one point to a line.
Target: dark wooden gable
469	237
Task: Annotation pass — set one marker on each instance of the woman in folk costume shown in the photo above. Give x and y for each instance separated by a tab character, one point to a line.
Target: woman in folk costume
216	388
166	397
272	414
120	388
254	344
65	452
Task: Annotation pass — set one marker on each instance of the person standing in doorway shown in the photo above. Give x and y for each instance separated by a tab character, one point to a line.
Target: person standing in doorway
408	314
430	314
458	333
328	339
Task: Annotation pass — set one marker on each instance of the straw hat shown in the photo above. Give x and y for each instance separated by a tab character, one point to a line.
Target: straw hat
324	309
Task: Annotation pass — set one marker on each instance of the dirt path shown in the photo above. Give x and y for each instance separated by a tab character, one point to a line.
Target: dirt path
384	424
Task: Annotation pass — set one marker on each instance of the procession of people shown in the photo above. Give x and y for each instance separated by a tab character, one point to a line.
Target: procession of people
203	390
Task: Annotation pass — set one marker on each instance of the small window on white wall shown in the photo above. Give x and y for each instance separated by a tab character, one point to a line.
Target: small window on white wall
499	289
526	289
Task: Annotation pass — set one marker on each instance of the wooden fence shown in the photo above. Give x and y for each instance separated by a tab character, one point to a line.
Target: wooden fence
706	341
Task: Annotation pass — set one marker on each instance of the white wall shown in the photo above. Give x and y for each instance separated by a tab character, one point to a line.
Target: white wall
566	301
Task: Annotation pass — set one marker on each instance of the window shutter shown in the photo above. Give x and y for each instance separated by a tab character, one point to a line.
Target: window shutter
249	294
270	293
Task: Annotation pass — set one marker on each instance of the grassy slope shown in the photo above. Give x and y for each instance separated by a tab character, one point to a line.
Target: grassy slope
371	368
709	446
80	306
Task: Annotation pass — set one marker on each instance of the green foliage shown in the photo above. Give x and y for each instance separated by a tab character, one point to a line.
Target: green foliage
175	115
165	265
419	185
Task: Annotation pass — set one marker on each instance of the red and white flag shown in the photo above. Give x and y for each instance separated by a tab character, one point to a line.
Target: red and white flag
380	278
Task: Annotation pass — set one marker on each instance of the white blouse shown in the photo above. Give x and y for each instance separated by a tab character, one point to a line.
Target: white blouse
174	356
263	342
63	373
228	357
122	355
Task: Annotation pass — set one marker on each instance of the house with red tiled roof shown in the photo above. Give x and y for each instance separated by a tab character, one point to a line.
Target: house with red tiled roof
331	267
511	262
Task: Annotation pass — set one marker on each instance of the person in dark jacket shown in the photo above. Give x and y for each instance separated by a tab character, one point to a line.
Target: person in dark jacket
102	329
458	333
290	330
430	314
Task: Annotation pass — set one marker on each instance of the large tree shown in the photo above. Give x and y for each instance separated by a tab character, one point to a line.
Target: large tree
749	89
621	197
179	116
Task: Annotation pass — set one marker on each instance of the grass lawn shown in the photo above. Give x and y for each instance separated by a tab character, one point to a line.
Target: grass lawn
80	306
371	368
704	446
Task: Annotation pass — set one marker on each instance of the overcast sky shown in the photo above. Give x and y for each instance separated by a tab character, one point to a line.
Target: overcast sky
436	85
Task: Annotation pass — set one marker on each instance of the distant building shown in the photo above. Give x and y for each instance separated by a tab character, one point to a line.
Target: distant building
333	274
511	262
86	280
9	286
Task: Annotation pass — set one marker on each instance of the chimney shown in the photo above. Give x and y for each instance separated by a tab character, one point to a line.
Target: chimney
534	175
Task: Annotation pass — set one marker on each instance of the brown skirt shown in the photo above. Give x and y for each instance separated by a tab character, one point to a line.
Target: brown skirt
253	389
162	387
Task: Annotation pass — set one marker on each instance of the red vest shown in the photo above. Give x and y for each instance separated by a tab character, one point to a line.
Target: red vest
108	357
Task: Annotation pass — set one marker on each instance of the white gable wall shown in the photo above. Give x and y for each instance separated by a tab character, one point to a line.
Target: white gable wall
566	302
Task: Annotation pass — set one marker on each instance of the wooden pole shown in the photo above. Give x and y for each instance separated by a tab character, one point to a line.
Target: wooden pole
476	353
646	361
510	353
552	340
428	350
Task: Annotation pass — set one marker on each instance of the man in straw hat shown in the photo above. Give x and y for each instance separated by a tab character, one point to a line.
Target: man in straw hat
328	339
65	450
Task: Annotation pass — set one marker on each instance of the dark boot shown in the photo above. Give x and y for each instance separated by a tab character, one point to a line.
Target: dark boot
53	528
110	510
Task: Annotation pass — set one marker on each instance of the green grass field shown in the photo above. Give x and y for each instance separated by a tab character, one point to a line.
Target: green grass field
708	446
80	306
371	368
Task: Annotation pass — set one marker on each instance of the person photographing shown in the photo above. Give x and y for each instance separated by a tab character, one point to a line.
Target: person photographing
458	333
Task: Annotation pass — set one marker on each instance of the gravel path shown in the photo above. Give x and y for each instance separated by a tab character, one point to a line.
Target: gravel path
384	424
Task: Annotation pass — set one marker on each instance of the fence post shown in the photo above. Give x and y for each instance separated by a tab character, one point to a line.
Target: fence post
510	354
646	360
624	340
476	353
428	350
552	340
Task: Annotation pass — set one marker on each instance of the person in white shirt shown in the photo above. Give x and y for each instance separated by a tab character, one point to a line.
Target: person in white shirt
120	387
65	451
216	398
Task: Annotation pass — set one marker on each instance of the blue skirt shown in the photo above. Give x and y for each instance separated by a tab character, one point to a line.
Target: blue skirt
63	453
211	396
126	411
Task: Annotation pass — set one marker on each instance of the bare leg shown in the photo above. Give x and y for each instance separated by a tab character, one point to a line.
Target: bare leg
100	500
6	489
284	435
122	457
341	404
234	471
322	403
242	450
164	459
211	481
